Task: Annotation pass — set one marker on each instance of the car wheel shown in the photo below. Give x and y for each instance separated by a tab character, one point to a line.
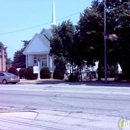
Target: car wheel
4	81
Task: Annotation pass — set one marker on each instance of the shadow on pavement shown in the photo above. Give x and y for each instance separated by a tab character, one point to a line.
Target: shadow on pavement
90	83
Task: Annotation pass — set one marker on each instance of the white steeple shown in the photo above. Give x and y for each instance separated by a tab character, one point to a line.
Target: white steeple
53	14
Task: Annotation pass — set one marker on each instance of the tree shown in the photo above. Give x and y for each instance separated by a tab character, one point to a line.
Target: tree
95	4
90	28
91	43
123	30
118	19
87	41
19	58
62	44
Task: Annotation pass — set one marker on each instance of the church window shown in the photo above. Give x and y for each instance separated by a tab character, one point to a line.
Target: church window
44	62
35	61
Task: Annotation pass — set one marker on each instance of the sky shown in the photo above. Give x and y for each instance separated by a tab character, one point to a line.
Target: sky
22	19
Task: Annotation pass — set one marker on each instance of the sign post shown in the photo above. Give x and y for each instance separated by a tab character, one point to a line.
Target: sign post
38	78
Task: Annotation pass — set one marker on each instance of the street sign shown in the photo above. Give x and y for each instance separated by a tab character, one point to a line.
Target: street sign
35	69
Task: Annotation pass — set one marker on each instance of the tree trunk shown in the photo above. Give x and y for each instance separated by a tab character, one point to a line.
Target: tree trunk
99	70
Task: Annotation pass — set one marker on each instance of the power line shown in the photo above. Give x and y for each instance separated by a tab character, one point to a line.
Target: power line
23	29
37	25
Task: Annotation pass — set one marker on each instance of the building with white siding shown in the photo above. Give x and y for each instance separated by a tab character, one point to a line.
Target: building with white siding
38	48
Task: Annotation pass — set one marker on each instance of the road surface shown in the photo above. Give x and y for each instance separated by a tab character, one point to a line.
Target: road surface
64	106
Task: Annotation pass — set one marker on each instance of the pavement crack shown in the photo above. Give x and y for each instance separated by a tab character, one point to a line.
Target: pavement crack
63	117
36	115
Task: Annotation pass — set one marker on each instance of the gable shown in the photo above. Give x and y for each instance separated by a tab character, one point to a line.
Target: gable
38	45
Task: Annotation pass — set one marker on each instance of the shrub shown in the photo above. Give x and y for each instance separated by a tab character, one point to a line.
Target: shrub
13	70
45	73
58	74
29	73
73	77
121	77
22	72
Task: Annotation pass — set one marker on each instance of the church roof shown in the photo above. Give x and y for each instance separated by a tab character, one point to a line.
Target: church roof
40	43
47	33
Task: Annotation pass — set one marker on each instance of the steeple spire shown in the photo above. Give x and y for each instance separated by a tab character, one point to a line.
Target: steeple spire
53	14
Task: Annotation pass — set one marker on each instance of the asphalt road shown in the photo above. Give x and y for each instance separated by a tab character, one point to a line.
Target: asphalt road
100	100
96	100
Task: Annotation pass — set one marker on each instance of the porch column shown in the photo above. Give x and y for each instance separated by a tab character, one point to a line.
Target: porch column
48	61
29	60
26	61
51	64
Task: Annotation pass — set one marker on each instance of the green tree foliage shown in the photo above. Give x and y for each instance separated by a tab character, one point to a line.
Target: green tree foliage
95	4
85	45
45	73
89	31
90	28
19	58
123	30
118	19
62	44
13	70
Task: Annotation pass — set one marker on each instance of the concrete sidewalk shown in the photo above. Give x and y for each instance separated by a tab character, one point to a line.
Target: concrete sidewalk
41	81
55	120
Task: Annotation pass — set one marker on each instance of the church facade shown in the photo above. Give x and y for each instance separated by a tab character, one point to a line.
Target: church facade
38	50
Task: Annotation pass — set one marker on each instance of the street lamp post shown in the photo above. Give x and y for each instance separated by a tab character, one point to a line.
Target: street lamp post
105	46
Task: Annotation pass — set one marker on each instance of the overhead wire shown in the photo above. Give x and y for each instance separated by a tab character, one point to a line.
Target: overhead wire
37	25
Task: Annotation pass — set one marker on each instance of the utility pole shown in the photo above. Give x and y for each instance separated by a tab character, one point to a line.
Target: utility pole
105	46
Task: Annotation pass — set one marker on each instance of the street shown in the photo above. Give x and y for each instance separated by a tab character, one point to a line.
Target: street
63	107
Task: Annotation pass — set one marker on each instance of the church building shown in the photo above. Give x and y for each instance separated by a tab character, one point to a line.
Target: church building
38	48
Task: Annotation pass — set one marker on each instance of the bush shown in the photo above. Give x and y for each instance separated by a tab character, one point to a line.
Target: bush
45	73
29	73
13	70
121	77
58	74
73	77
22	72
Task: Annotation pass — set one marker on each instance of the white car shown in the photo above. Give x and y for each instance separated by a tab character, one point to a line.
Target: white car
6	77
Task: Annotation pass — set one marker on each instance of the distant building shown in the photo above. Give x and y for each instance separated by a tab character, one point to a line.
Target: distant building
2	60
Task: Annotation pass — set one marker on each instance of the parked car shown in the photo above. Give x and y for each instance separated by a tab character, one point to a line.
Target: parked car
6	77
